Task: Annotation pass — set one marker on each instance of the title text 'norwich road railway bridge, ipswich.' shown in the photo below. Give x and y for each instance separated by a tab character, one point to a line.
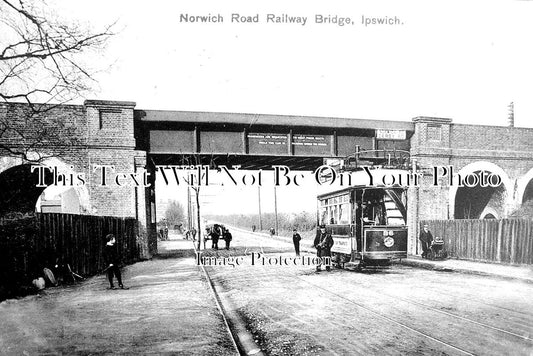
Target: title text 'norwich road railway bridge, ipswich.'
116	133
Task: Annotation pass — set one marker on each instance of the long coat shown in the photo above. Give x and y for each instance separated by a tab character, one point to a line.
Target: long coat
111	254
323	243
426	237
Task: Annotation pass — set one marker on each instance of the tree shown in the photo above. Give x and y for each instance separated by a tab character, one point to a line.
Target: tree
174	213
42	64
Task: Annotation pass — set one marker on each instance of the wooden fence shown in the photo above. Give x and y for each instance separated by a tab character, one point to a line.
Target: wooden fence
30	243
504	240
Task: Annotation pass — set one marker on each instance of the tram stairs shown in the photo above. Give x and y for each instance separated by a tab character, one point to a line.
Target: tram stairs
392	213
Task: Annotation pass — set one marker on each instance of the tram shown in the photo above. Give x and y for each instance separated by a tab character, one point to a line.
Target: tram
367	222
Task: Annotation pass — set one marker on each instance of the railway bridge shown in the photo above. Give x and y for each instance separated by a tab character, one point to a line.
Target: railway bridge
134	142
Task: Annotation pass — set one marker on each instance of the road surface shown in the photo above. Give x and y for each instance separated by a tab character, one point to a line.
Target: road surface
291	310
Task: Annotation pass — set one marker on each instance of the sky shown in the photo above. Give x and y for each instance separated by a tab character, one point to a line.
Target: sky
464	60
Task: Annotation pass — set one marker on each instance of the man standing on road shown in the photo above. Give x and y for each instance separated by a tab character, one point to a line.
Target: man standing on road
216	233
227	237
425	239
323	243
112	259
296	240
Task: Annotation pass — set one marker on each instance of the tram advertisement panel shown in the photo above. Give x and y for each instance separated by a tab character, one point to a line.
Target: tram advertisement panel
388	242
342	244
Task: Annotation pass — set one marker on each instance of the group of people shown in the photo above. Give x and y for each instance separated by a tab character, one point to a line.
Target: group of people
217	232
322	242
190	234
163	234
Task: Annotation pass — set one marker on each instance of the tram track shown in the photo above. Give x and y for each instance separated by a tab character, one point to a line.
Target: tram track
495	328
470	297
477	301
418	304
361	306
456	316
381	292
394	297
389	319
240	337
420	329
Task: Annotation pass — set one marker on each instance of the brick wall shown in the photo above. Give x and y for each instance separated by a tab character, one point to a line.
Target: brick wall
498	138
96	133
507	151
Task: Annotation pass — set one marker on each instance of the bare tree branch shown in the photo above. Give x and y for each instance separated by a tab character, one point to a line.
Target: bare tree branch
43	63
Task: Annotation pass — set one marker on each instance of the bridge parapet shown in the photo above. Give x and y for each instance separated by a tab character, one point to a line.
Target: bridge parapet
110	123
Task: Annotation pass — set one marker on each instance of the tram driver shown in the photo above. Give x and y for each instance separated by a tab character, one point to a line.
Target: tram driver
323	243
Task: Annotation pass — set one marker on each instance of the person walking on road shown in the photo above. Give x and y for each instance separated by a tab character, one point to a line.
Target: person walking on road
112	259
296	240
425	240
216	233
227	237
323	243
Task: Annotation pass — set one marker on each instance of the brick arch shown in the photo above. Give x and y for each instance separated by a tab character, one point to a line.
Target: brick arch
81	191
7	163
521	185
487	167
489	211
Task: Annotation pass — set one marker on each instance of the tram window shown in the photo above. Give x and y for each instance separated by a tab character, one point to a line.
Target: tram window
324	216
335	210
344	213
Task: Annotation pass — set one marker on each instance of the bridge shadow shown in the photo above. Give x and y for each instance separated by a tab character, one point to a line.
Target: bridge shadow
178	247
175	247
241	245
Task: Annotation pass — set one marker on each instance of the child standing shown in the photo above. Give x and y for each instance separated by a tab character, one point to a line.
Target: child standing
112	260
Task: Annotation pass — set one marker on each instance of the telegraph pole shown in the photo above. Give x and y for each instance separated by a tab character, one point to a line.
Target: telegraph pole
189	217
259	201
276	208
198	231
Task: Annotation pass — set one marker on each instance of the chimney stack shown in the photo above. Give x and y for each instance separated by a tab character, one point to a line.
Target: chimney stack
510	119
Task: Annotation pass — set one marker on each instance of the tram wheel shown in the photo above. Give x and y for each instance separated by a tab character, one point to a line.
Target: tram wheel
360	266
336	260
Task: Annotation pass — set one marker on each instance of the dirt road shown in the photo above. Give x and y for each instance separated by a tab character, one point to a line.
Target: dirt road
399	311
167	310
290	309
